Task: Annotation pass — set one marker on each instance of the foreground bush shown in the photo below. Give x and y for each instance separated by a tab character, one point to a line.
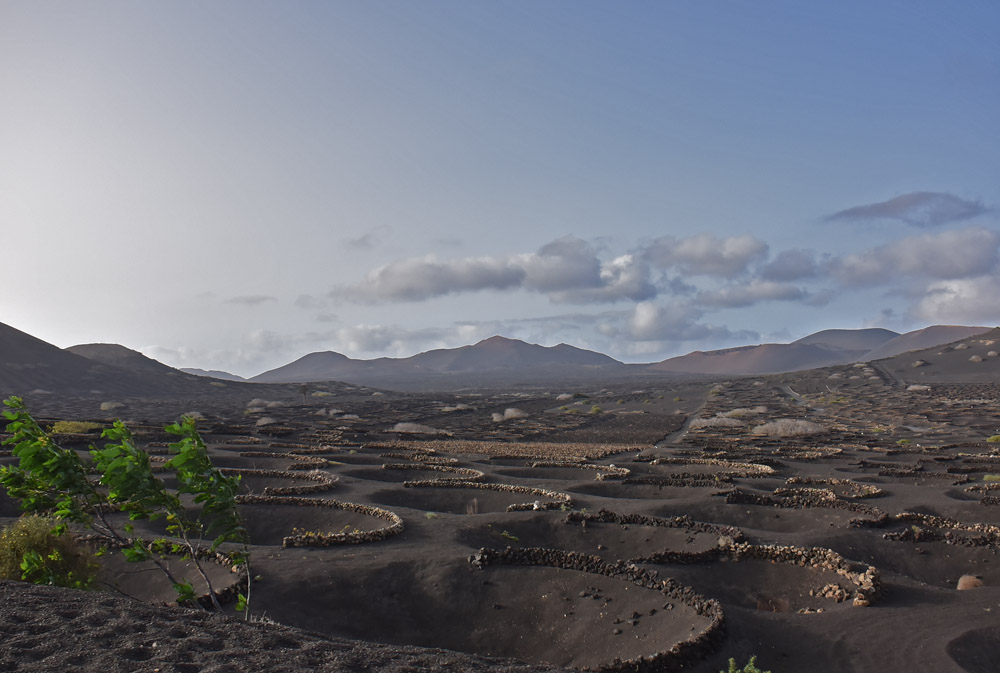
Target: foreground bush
52	480
751	667
32	550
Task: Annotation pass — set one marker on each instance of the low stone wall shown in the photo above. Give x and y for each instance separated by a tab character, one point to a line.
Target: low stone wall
310	539
812	497
857	491
292	445
685	654
299	461
462	473
734	468
321	480
420	458
685	479
983	488
560	499
604	472
979	534
865	578
684	521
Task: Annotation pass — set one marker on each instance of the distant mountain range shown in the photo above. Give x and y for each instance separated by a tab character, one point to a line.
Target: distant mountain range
29	364
821	349
496	358
213	374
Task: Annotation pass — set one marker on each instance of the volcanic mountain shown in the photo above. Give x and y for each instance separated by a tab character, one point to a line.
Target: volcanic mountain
492	361
28	364
821	349
970	359
759	359
212	373
928	337
121	357
859	340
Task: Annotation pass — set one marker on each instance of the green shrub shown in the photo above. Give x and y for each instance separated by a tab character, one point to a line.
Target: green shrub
751	667
32	550
994	439
903	442
52	480
596	409
991	477
74	427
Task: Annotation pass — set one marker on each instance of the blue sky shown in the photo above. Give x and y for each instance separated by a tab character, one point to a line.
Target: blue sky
235	184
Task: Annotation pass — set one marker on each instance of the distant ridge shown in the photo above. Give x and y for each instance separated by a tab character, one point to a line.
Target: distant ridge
862	340
928	337
212	374
820	349
120	356
969	359
494	359
29	365
760	359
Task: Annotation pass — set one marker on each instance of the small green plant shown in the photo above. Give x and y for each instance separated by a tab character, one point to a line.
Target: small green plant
49	479
74	427
903	442
509	536
31	550
596	409
995	439
217	384
991	477
620	402
431	515
678	399
751	667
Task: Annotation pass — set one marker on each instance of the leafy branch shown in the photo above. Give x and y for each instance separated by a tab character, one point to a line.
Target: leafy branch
119	478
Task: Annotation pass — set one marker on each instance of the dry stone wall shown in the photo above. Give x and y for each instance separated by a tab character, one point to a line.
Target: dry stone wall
680	656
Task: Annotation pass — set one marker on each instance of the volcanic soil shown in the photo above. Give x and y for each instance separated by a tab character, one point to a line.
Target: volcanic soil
820	520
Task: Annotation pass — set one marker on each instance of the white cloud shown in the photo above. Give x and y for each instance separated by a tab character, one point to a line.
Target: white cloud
963	301
918	209
706	254
417	279
675	321
624	277
567	263
962	253
567	270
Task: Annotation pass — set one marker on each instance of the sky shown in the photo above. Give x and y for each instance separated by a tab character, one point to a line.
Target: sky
232	185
